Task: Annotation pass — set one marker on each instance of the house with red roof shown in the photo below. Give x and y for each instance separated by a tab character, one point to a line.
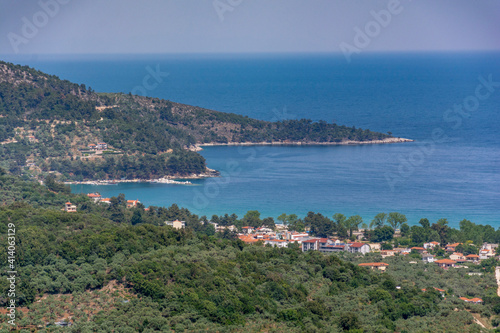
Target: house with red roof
457	256
451	247
69	207
94	196
472	257
310	244
132	203
472	300
430	245
358	247
445	263
418	249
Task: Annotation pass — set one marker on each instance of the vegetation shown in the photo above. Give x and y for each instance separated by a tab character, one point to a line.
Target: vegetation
50	122
117	268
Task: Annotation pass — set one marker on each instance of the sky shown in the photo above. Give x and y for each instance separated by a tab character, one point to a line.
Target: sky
246	26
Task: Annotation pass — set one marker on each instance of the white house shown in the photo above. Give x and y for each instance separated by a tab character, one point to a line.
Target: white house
427	258
359	248
430	245
69	207
176	224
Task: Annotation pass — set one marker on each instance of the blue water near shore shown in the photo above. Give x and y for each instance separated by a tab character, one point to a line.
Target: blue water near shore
452	170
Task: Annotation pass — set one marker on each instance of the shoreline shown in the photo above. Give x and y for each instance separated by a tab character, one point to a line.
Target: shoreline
164	180
198	146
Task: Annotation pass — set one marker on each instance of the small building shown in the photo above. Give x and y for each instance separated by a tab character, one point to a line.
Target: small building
427	258
359	248
94	196
430	245
247	230
451	247
381	266
92	146
486	254
418	249
472	257
472	300
457	256
310	244
132	203
106	201
102	146
388	253
176	224
69	207
445	263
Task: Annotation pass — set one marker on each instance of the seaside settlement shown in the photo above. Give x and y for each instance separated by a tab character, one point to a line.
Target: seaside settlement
445	257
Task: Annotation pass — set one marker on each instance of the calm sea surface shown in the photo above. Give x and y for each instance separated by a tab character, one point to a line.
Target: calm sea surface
452	170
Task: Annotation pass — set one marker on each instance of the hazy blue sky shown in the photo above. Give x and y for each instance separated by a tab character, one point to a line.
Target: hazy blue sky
186	26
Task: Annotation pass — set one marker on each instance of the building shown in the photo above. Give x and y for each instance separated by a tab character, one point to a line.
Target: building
359	248
92	146
472	257
427	258
132	203
94	196
102	146
388	253
247	230
106	201
176	224
457	256
418	249
430	245
451	247
69	207
381	266
472	300
310	245
445	263
486	254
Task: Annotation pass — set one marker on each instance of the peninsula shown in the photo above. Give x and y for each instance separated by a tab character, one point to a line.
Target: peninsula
49	125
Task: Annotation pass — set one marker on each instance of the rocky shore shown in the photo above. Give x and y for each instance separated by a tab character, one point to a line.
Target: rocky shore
198	147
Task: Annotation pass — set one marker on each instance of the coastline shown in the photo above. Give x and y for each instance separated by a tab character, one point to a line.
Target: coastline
164	180
198	146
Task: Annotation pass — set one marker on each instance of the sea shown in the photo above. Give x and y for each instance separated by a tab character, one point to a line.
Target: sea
448	103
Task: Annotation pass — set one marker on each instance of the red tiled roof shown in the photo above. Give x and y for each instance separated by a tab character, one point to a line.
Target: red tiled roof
310	241
357	244
435	243
472	256
373	264
445	261
417	248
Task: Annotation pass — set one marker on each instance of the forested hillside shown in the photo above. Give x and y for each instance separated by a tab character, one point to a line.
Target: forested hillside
108	268
48	124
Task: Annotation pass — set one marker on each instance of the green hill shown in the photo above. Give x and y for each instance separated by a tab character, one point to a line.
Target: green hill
49	124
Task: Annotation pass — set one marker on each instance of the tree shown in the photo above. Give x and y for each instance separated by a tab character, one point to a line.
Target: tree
340	225
396	219
441	227
405	230
379	220
269	222
425	223
382	234
353	223
252	219
320	225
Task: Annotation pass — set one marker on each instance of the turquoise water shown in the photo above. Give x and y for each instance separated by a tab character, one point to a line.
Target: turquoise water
450	171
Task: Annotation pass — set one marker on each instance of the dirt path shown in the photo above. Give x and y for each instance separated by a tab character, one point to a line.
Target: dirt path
497	275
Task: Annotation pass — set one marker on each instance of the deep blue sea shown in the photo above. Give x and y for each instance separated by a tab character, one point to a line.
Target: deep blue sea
442	101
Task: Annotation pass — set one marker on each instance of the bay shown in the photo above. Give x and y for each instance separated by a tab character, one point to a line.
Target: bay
452	170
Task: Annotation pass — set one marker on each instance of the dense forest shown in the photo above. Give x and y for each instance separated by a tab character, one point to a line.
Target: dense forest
51	122
111	268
